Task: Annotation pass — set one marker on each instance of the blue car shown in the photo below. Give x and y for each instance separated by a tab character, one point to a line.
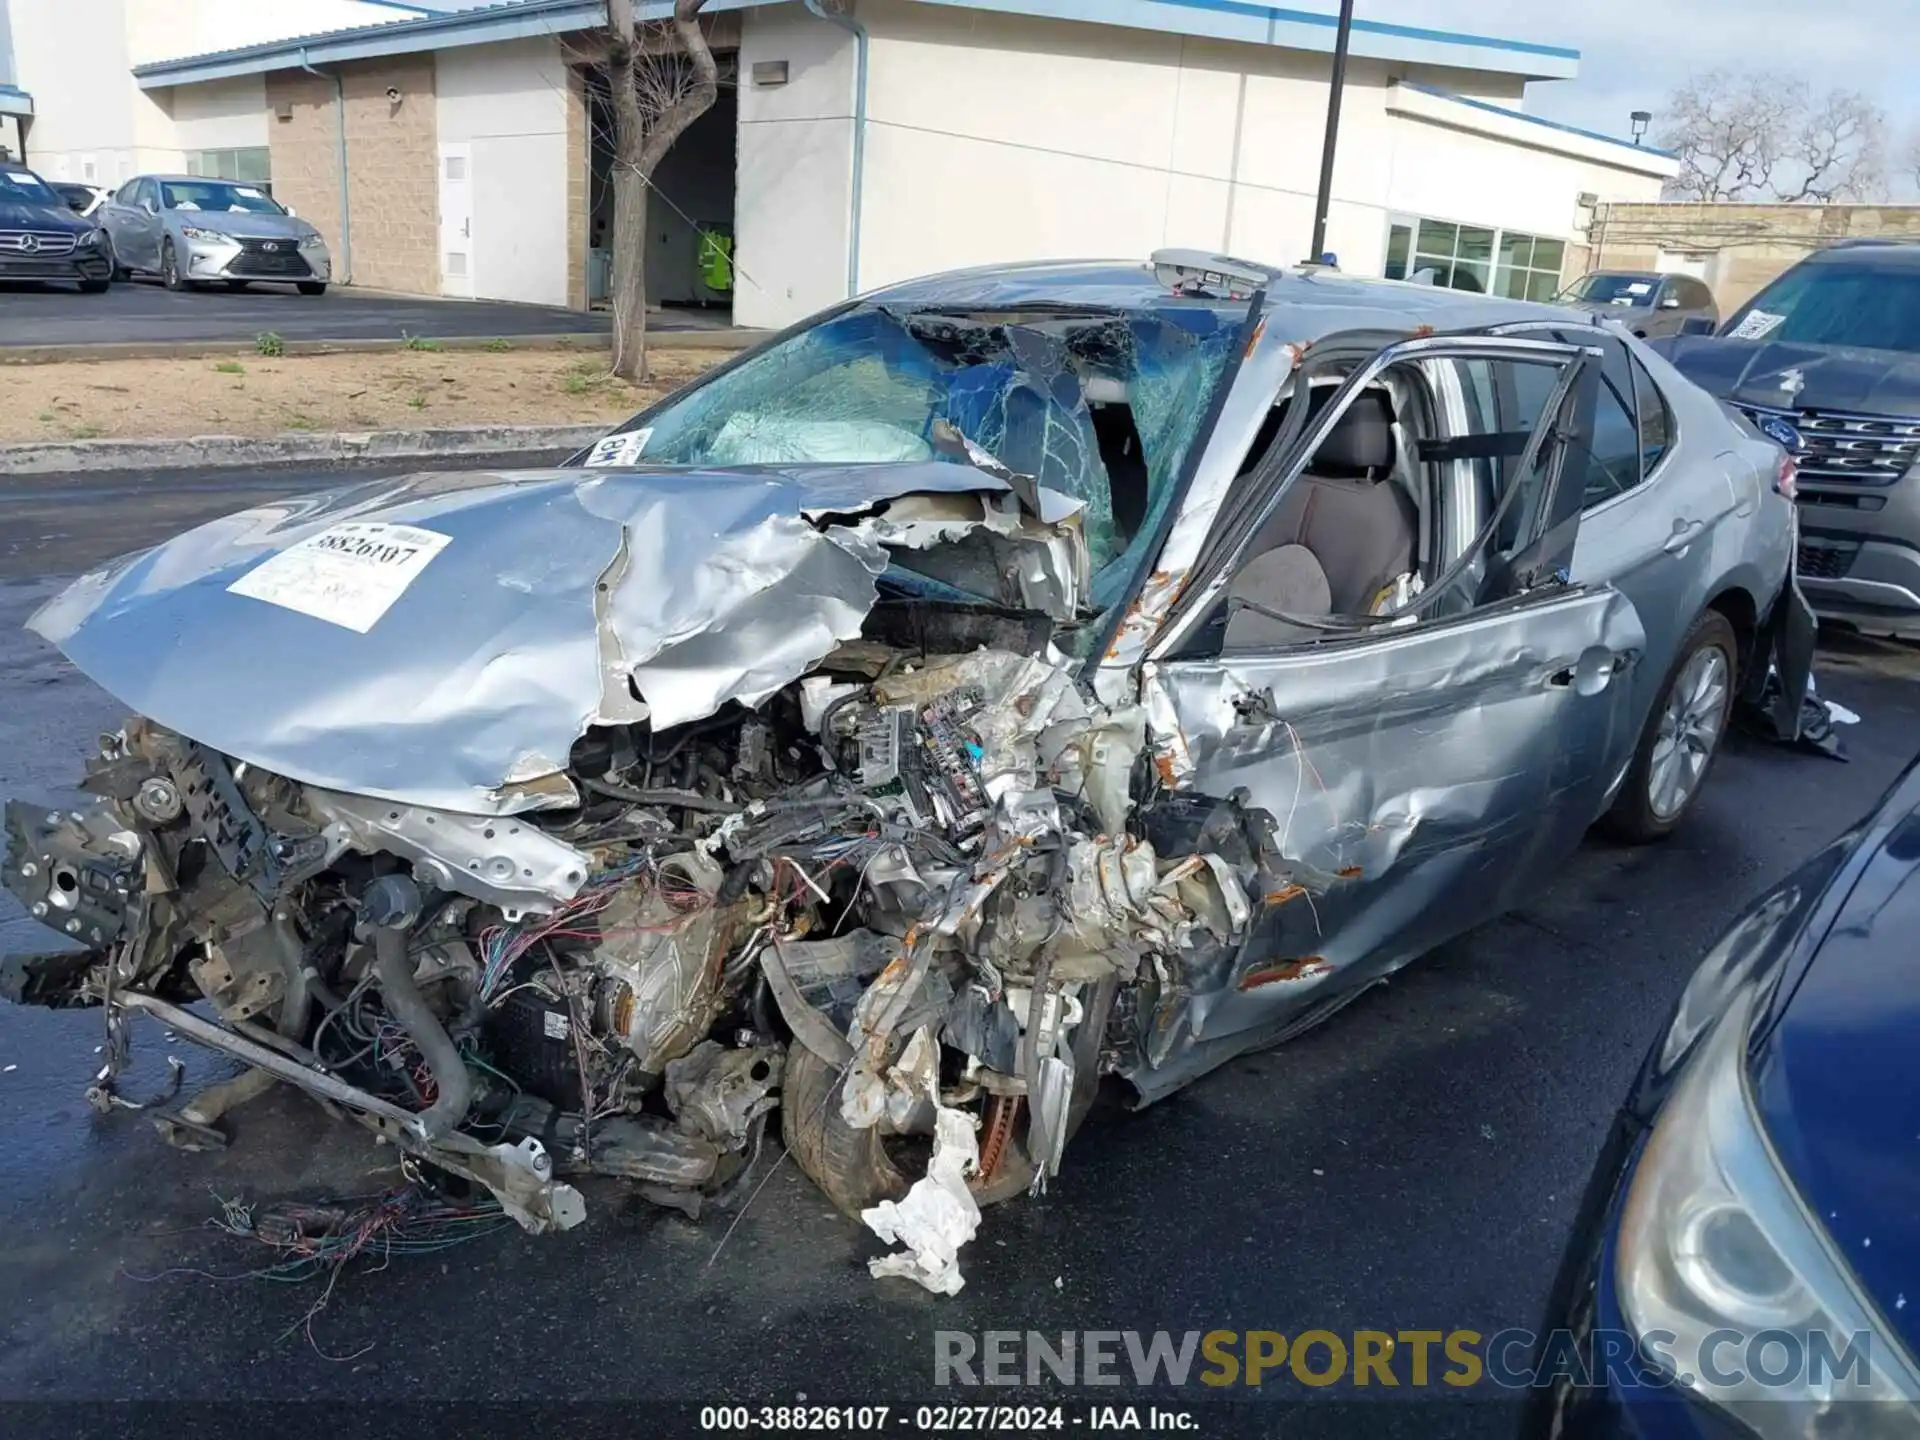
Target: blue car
1747	1257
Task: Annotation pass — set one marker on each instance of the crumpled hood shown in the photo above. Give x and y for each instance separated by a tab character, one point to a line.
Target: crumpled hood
1824	377
443	639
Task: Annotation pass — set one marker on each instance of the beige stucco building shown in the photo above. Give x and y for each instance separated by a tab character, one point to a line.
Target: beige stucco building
446	149
1736	249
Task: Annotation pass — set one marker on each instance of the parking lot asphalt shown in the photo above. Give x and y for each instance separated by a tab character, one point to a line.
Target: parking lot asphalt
1411	1165
146	312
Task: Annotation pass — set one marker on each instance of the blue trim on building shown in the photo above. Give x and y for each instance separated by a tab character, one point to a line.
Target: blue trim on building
1235	20
401	5
516	20
1536	120
1250	23
1377	27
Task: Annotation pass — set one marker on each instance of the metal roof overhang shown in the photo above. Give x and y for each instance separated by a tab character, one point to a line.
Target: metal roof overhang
1234	20
525	20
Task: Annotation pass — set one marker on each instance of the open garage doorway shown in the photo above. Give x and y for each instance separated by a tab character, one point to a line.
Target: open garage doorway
690	210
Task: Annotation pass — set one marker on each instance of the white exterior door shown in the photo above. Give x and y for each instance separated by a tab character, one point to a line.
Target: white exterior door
456	220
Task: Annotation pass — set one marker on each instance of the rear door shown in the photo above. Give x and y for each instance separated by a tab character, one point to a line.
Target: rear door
1418	773
1649	509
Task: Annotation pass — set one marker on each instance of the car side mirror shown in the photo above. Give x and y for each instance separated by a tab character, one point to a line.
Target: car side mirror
293	212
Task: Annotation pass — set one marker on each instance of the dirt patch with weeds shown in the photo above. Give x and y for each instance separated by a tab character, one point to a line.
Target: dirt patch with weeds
257	395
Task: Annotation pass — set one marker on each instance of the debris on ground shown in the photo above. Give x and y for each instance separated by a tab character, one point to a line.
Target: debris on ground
320	1240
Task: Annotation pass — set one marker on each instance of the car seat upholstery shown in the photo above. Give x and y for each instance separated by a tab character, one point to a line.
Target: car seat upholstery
1287	580
1361	527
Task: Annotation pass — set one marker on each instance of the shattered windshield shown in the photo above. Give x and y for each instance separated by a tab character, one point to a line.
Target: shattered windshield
1101	405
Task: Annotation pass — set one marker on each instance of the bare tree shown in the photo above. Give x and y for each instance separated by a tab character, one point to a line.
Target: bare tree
661	77
1909	166
1769	137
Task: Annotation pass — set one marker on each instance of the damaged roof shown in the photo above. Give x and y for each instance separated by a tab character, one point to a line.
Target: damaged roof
1303	304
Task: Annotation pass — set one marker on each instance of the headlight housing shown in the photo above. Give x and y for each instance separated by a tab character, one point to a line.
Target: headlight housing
89	239
1733	1287
194	232
315	241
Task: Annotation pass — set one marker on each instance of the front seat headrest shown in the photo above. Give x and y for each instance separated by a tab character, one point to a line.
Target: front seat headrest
1361	442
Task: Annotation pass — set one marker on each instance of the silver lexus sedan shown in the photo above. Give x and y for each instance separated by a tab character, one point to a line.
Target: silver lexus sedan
1001	682
192	231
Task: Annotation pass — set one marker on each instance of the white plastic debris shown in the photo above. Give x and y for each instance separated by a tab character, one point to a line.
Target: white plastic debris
1840	715
937	1216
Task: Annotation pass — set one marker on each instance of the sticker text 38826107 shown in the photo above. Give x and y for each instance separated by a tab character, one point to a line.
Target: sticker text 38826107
347	575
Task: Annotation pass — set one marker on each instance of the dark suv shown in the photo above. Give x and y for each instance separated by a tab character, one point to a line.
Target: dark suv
43	241
1826	361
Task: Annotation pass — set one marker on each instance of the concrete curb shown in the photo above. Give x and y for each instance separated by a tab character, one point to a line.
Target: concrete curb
208	349
58	457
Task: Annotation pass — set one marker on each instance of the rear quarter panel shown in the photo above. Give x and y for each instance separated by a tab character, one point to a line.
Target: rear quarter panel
1738	557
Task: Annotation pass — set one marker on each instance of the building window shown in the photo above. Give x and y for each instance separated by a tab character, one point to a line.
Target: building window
1529	267
1474	257
251	166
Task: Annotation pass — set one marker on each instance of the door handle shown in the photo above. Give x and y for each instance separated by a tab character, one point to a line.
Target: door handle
1685	531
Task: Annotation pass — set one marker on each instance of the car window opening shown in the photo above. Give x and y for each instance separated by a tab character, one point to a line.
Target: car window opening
1103	406
1394	503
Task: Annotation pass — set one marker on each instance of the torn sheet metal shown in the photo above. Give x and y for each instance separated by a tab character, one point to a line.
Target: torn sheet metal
1409	789
717	1093
490	658
938	1214
510	863
1042	732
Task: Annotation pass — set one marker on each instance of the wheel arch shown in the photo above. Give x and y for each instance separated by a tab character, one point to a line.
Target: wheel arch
1742	612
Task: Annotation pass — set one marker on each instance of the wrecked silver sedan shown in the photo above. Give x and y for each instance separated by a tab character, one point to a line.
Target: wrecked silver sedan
999	683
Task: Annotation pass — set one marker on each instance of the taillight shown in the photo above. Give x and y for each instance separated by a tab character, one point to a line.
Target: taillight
1787	482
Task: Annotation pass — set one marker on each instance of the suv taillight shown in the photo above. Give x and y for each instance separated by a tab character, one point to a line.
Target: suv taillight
1787	482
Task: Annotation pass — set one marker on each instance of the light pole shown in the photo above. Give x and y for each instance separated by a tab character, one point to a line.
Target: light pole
1641	119
1325	197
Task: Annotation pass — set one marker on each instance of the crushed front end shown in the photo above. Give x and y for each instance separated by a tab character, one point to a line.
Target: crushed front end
901	891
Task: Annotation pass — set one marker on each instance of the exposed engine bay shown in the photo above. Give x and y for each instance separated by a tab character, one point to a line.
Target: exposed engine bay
908	900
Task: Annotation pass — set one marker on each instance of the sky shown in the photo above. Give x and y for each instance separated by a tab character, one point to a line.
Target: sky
1633	53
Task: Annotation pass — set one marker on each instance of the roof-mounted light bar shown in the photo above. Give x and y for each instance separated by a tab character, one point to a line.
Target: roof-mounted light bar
1195	272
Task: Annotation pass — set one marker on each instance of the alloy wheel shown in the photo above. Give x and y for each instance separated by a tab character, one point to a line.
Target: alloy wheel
1690	727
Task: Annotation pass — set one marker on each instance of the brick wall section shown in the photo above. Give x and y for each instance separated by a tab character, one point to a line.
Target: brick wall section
1745	246
300	135
393	192
576	190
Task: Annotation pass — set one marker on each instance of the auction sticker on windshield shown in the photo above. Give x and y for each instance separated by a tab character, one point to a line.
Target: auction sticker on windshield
623	448
346	575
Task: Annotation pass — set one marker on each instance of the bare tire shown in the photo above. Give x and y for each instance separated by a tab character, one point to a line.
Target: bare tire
1682	735
850	1166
